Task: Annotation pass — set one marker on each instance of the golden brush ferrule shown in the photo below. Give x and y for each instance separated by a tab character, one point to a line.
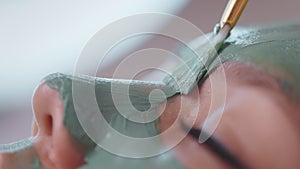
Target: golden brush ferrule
233	12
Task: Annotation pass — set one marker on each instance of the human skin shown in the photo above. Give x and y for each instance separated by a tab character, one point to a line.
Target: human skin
259	124
53	144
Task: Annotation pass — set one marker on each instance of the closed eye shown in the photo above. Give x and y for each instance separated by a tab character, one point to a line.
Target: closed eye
216	147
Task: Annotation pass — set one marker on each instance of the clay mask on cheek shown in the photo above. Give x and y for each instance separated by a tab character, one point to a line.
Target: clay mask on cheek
79	112
128	107
110	96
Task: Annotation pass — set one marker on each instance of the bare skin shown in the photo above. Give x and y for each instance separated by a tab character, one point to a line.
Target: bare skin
259	125
53	144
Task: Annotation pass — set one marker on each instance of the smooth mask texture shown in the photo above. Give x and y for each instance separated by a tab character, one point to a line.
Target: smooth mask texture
274	49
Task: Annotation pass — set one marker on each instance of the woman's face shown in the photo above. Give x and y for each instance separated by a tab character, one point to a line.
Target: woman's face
258	127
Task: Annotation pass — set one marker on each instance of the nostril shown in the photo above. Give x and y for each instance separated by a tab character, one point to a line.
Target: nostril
48	125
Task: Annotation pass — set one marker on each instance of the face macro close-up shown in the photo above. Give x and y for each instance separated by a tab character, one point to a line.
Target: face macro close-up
229	100
259	127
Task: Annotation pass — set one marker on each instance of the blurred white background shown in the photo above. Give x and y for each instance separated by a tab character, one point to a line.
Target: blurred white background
38	38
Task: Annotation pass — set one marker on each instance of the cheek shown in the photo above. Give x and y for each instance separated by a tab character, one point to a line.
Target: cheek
187	151
257	129
5	161
67	153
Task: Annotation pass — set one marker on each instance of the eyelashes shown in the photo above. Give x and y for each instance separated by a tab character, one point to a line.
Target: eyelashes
215	146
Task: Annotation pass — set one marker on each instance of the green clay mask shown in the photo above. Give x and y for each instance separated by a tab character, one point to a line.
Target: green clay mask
23	153
129	108
142	99
274	49
109	106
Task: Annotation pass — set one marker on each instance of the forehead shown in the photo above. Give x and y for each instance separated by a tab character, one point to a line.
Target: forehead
275	49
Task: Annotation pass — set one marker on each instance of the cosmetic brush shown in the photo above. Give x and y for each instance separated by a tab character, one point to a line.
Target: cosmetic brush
195	61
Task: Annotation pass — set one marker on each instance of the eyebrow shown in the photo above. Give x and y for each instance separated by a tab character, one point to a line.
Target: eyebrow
215	147
250	75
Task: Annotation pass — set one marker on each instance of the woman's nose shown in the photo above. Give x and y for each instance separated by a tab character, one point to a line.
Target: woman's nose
54	144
